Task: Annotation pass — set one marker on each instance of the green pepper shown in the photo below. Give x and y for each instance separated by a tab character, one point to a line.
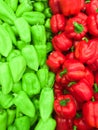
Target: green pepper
38	34
51	79
22	123
42	54
12	127
6	100
17	66
24	104
31	57
23	7
30	84
3	119
34	17
11	116
46	103
47	24
6	79
38	6
22	1
11	33
49	47
13	4
42	74
6	13
48	12
17	87
5	41
21	44
49	124
23	29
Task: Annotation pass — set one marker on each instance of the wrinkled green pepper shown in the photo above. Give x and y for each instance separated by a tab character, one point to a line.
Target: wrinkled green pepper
38	6
34	17
31	57
24	104
3	119
30	84
23	29
38	34
49	124
46	103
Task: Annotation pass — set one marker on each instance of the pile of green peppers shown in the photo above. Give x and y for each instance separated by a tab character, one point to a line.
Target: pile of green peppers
26	83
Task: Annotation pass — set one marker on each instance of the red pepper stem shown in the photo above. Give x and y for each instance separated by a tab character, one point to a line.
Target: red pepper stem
97	10
95	87
87	1
78	27
74	127
63	72
64	102
93	99
85	38
71	83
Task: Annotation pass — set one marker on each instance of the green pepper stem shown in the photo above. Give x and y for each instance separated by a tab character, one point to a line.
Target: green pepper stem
93	99
78	27
63	72
64	102
74	127
97	10
87	1
85	38
95	87
71	83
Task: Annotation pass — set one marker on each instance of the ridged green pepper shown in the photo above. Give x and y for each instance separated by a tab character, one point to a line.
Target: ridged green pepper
23	29
46	103
3	119
6	13
24	104
17	66
42	74
31	57
42	54
31	84
34	17
23	7
6	79
22	123
49	124
5	42
38	34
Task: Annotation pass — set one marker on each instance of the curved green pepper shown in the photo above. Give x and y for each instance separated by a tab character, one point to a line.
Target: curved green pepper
46	103
6	79
23	7
31	57
24	104
23	29
49	124
5	42
34	17
30	83
3	119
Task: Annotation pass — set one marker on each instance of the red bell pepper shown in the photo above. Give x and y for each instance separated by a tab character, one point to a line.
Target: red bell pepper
81	124
92	23
76	28
65	106
54	6
81	90
61	42
57	23
93	66
58	90
82	16
86	51
63	123
90	113
70	7
91	7
55	60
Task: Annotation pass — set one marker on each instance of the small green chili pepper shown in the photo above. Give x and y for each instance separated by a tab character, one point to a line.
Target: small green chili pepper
48	12
31	57
38	34
22	123
3	119
47	24
5	42
34	17
24	104
23	29
46	103
49	124
6	79
23	7
30	79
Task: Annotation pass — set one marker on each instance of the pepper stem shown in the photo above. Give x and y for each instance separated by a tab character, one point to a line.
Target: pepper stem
97	10
74	127
95	87
63	72
64	102
78	27
85	38
87	1
93	99
71	83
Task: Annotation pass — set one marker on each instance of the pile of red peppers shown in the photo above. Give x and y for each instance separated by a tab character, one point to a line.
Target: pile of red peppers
74	60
